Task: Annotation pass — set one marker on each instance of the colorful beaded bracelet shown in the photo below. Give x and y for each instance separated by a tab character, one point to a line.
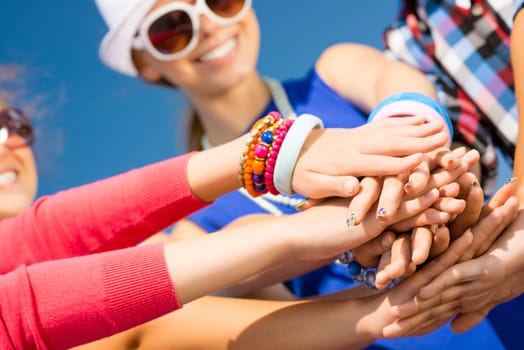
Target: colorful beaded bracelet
260	154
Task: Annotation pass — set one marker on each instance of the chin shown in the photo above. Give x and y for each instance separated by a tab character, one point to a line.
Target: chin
17	204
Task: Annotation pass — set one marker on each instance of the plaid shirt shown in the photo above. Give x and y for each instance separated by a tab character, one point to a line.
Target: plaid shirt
463	47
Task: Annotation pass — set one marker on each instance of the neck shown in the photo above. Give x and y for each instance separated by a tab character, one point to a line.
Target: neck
227	115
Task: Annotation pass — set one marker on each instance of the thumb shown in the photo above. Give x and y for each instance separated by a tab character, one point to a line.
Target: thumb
322	186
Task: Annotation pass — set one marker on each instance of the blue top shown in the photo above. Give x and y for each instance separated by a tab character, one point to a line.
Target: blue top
311	95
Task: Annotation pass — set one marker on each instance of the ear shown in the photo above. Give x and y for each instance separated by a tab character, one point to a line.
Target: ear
145	67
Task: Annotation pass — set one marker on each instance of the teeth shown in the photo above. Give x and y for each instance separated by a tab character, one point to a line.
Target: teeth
7	178
220	51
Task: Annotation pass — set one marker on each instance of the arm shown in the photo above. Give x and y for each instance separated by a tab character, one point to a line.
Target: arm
364	76
90	218
55	301
126	209
256	324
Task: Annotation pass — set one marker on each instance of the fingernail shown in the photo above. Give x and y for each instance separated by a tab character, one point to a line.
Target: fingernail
351	219
513	179
475	183
351	187
387	242
300	204
381	212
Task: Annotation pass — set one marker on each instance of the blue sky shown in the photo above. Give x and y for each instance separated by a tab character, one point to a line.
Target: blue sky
93	122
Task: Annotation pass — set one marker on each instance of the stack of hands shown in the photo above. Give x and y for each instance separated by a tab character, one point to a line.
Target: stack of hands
418	227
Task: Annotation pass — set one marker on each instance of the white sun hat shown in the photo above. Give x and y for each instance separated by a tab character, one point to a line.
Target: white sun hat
123	18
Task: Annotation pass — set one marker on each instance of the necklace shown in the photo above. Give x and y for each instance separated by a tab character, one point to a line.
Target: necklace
268	201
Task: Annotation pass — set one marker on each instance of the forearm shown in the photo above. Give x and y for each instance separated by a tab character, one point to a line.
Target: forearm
517	60
214	172
205	265
113	213
231	323
510	248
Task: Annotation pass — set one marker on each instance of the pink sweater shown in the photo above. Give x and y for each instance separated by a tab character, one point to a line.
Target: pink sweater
58	302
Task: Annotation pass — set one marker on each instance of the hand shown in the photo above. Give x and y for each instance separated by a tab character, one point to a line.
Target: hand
426	241
387	147
328	218
473	287
379	307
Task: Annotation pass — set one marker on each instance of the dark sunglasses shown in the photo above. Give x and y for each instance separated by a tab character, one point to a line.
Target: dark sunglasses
15	128
171	31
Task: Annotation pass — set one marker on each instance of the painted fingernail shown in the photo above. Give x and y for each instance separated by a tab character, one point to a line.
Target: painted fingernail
513	179
381	212
475	183
351	219
299	204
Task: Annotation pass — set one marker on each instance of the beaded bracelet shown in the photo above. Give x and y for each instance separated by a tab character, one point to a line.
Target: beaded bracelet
279	135
361	274
260	154
248	155
412	103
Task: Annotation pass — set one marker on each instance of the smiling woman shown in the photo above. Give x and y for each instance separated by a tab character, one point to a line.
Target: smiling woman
18	175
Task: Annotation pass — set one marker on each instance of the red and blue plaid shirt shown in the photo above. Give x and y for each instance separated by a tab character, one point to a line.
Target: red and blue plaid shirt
463	47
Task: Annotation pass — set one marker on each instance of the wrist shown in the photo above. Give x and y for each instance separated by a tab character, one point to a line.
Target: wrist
509	248
412	103
213	172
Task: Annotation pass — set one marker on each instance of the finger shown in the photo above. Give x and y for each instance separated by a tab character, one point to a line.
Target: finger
473	207
464	322
382	165
446	159
450	190
430	326
362	202
398	126
326	185
463	272
440	265
401	264
308	203
421	241
390	197
418	179
402	122
369	254
420	321
385	260
441	240
500	197
435	157
442	177
428	217
489	228
450	205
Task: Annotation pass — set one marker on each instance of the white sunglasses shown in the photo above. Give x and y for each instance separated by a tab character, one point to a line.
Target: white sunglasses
171	31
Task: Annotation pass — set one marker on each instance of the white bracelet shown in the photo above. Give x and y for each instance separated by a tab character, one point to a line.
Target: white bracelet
290	149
